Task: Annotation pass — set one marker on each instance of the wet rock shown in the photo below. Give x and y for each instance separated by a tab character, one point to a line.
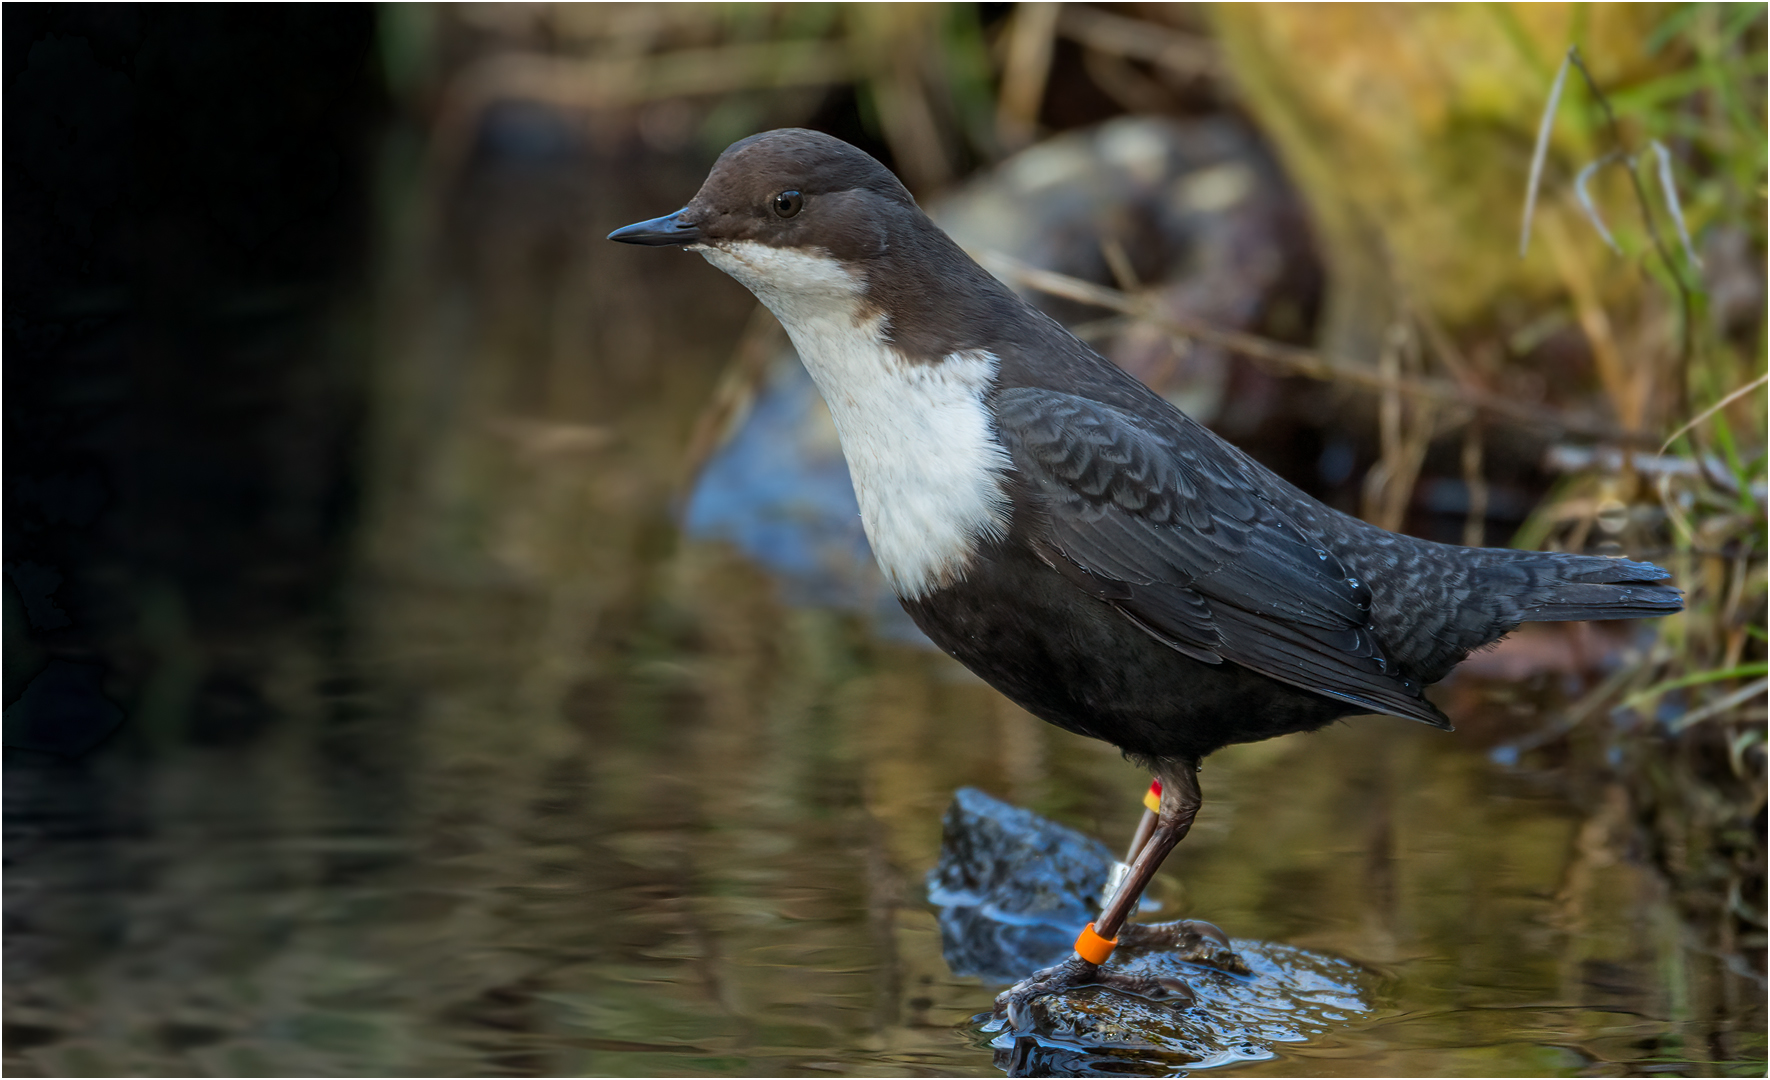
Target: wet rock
1292	996
1013	887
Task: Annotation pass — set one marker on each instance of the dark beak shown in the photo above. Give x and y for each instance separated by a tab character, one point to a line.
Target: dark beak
660	232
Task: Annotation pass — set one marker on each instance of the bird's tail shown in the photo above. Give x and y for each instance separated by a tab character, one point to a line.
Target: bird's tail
1569	587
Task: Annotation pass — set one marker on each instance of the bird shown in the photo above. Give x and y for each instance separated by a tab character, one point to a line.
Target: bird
1105	561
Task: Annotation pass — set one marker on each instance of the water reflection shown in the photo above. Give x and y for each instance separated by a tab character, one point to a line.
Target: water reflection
548	789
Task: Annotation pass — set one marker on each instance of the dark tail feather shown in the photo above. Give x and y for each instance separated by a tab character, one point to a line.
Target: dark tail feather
1570	602
1593	587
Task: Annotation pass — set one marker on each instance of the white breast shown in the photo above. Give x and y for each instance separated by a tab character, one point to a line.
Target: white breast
926	466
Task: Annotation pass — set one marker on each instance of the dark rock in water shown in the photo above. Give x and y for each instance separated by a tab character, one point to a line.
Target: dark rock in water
1013	888
1292	996
1016	865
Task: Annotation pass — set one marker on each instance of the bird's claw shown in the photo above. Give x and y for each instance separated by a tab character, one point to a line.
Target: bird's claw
1192	940
1071	973
1014	1003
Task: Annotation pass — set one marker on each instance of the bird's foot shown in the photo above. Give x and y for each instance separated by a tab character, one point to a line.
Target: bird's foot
1192	940
1014	1003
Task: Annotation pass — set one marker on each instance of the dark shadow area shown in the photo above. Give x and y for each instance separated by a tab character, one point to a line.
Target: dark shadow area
187	215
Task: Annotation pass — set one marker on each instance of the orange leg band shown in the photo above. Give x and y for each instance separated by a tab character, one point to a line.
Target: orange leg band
1152	799
1092	947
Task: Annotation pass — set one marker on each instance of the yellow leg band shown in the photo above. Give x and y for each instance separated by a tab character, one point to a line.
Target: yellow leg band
1092	947
1152	799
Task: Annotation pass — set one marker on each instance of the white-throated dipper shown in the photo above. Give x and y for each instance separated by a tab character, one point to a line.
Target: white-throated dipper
1082	545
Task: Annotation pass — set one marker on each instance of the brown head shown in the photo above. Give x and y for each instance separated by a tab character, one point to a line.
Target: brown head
804	193
787	188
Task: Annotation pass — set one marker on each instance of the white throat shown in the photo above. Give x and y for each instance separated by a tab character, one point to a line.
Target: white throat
926	466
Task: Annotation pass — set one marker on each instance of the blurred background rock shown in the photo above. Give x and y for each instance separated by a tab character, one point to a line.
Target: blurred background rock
369	710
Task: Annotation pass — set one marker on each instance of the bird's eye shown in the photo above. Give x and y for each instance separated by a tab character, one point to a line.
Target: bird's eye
787	203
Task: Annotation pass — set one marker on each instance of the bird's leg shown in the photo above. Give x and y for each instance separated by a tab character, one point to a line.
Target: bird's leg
1193	939
1179	805
1146	826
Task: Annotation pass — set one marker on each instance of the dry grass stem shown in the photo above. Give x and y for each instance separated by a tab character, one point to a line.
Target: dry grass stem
1182	53
1444	348
893	42
1134	91
1031	38
1626	389
1704	415
1643	204
1381	475
1405	427
1674	206
1120	264
1475	523
1608	459
733	394
1541	153
1582	192
1721	705
1295	360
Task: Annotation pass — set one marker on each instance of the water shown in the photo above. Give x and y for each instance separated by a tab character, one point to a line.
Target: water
711	862
538	786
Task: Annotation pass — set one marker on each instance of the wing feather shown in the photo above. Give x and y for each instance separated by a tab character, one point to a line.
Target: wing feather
1162	525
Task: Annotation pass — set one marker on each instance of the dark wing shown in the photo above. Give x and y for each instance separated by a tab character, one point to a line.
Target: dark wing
1171	530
